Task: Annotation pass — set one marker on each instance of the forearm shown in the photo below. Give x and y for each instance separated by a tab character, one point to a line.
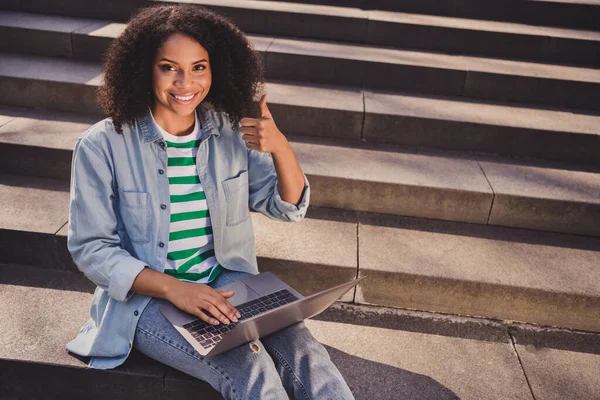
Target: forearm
289	175
155	284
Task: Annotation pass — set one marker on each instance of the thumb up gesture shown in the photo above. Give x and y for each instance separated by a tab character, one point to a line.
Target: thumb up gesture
261	134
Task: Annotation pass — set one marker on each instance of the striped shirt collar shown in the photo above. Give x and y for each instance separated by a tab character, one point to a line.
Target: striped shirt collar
194	135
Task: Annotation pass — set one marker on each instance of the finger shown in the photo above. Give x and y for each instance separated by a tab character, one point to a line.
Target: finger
264	110
220	300
228	295
249	121
228	309
250	139
251	130
253	146
215	312
206	318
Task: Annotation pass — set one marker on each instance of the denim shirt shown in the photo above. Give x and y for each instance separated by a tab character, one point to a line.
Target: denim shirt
117	225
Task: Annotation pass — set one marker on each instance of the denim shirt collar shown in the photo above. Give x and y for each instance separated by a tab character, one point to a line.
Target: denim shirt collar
150	133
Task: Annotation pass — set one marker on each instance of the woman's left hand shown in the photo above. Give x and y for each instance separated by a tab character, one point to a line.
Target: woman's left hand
261	134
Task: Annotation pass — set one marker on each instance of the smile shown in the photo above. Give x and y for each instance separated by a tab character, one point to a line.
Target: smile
184	99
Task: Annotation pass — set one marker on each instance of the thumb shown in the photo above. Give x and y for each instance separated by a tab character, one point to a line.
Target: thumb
264	110
227	294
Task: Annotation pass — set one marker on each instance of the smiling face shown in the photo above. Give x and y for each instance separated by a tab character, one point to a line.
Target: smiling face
181	79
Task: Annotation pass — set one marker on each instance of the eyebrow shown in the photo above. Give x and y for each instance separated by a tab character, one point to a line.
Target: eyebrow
175	62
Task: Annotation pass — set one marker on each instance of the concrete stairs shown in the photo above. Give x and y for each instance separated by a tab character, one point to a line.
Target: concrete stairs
453	160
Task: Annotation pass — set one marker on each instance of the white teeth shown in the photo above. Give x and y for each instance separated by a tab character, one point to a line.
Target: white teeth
186	98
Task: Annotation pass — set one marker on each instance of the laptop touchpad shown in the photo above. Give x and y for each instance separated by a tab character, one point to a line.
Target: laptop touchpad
243	293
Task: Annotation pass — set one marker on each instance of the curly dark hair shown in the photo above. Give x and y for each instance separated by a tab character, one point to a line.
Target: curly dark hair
237	72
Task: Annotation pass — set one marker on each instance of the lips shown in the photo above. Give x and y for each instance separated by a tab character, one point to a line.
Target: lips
183	99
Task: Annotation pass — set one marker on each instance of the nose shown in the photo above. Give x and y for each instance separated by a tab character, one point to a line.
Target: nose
183	78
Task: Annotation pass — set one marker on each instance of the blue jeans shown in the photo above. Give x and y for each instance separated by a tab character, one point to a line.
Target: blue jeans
290	362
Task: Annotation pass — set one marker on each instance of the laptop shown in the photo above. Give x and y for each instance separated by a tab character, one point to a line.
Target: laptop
266	304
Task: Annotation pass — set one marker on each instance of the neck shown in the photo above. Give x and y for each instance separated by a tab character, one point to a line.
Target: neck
176	125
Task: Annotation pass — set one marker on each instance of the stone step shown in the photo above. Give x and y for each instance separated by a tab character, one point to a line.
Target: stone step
439	266
36	213
351	114
43	34
363	66
43	310
277	17
578	14
442	357
384	179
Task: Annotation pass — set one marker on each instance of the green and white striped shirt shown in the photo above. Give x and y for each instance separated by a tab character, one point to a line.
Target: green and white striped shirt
191	255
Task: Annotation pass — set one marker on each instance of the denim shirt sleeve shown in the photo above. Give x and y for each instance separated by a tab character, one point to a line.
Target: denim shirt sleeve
264	193
92	237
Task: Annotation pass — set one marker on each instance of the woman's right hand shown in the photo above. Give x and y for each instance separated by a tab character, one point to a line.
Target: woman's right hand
197	298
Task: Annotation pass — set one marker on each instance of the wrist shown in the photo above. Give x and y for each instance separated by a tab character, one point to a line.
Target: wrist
170	287
283	149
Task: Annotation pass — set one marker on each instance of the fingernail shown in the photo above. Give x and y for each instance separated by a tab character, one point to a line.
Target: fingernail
215	322
234	319
238	314
226	321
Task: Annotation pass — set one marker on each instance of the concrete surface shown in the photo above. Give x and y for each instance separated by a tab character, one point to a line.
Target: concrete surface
39	143
416	355
404	183
412	365
322	110
469	125
40	34
304	253
584	14
481	113
20	32
490	38
297	19
580	14
432	73
317	110
50	83
483	26
41	128
544	198
33	204
43	310
511	274
50	69
559	364
561	374
411	263
351	176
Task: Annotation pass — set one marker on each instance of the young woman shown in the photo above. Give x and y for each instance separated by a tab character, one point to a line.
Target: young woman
160	192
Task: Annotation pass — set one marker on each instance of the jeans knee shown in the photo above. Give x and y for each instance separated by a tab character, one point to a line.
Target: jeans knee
254	347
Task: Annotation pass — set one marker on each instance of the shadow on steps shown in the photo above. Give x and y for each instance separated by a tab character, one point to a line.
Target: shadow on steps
373	380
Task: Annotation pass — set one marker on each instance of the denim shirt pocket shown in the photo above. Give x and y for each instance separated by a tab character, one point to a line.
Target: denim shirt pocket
135	214
236	198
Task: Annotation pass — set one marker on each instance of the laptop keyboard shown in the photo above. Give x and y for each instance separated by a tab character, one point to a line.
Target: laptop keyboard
209	335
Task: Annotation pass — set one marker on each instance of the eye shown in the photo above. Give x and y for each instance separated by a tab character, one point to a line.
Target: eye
199	67
167	67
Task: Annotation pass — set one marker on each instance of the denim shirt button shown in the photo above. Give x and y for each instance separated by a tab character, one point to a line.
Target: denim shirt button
161	144
161	171
163	206
161	244
136	313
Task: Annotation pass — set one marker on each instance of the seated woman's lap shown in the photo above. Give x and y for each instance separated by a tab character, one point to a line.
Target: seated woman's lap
292	356
240	373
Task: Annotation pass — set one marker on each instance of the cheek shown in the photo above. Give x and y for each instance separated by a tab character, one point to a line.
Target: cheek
159	83
207	81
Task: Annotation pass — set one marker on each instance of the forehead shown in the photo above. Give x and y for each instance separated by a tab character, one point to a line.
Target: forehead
181	48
